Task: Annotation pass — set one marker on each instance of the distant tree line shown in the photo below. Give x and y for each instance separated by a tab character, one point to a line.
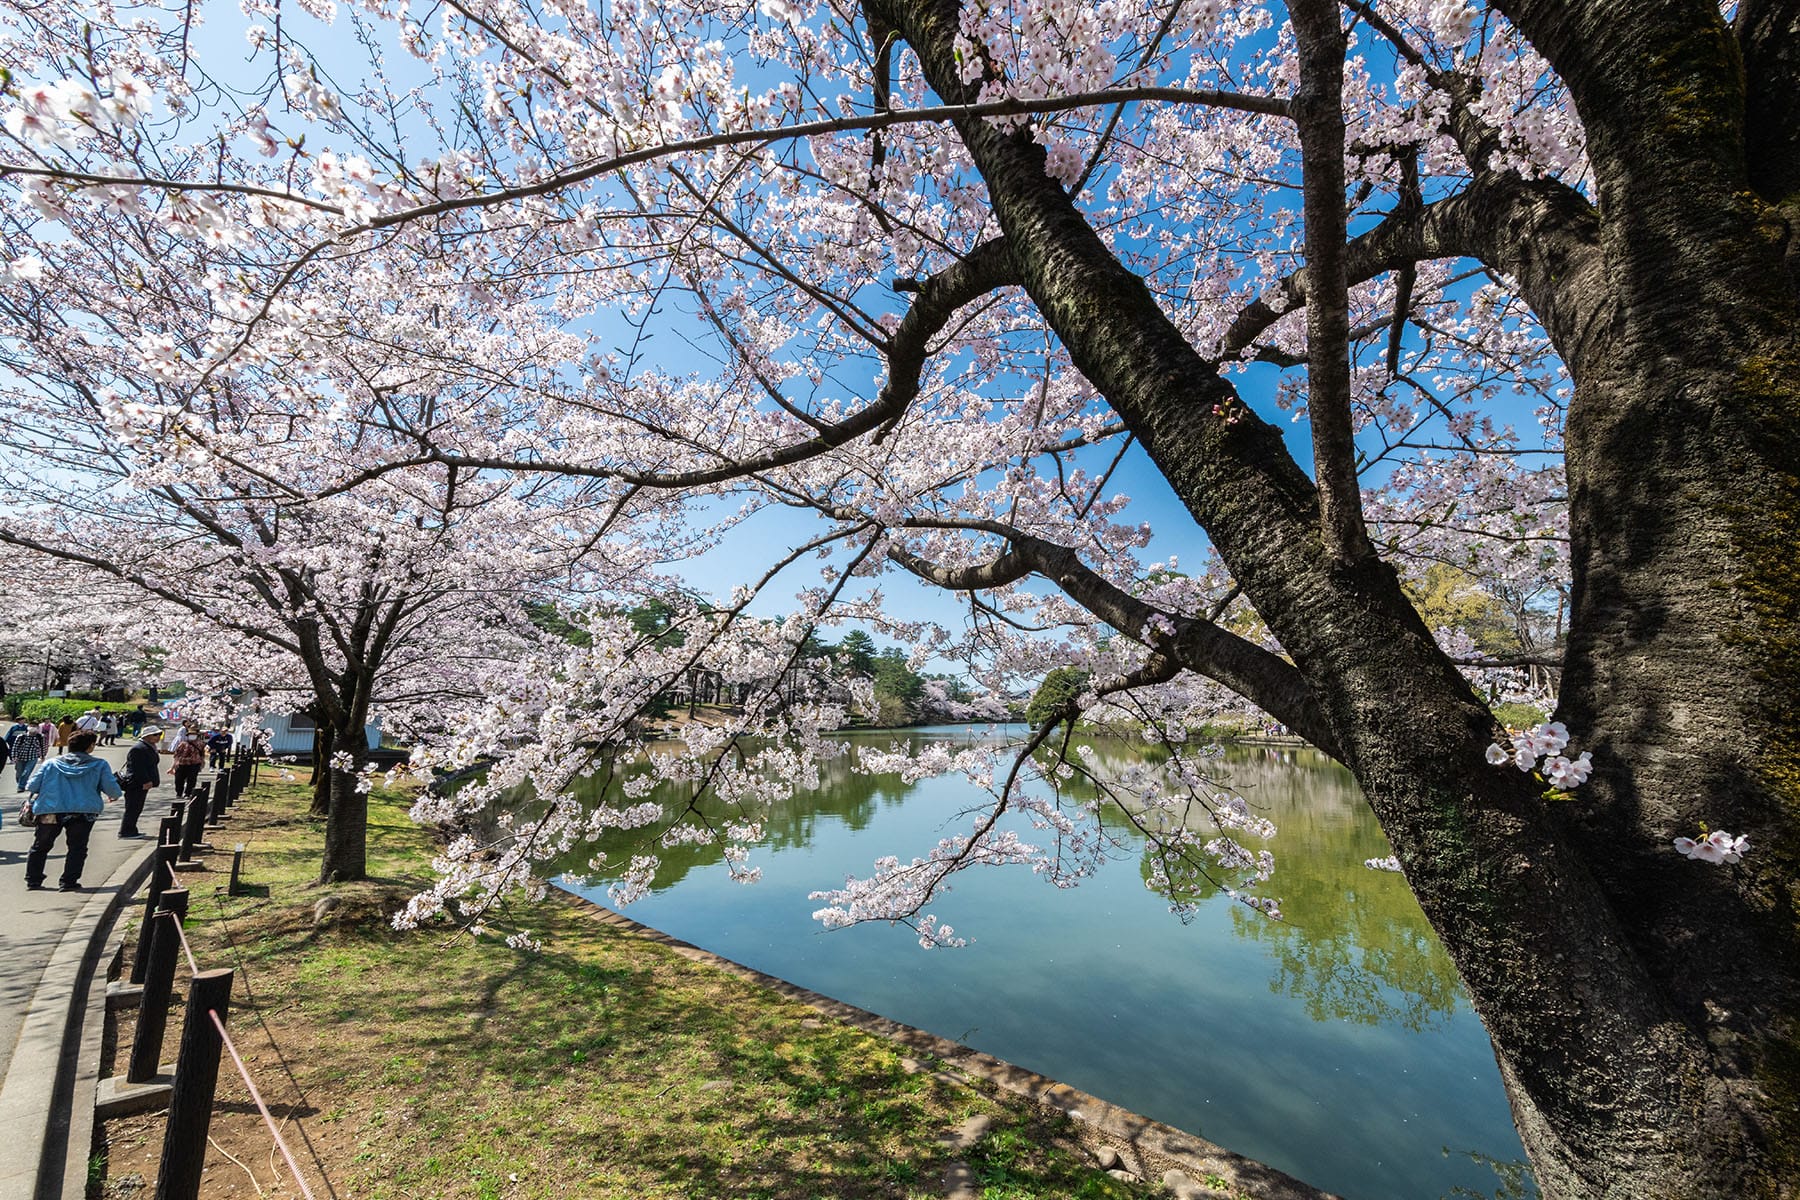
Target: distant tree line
903	696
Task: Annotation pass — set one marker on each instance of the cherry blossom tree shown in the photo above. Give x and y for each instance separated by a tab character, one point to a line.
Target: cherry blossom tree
197	509
62	630
945	266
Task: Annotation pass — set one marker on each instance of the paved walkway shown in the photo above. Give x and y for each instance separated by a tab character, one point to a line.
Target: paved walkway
34	922
52	993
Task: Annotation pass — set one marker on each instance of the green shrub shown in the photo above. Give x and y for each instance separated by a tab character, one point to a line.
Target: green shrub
1520	716
56	710
1056	694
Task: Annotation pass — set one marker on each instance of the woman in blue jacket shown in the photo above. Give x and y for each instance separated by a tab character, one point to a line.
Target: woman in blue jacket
67	794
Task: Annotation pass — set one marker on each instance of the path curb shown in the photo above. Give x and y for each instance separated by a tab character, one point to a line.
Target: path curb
47	1099
1141	1141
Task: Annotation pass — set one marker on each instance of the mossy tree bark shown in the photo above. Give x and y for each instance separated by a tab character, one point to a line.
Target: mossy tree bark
1644	1009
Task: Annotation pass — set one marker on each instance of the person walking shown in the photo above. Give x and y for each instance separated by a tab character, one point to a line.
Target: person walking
65	729
109	730
27	752
143	771
67	796
190	756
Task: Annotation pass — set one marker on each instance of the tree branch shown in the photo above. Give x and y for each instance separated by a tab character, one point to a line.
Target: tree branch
1540	233
1319	114
1266	680
138	579
984	269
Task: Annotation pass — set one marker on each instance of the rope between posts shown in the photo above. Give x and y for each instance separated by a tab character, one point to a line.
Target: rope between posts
238	1059
267	1116
193	966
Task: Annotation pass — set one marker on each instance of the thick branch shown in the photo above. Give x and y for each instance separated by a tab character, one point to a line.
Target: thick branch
1266	680
1319	114
1539	233
1230	468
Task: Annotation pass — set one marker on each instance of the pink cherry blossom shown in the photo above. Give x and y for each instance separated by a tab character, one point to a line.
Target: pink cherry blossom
1717	847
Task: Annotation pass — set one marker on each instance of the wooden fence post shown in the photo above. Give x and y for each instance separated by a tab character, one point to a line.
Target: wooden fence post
159	977
195	829
215	815
159	879
196	1080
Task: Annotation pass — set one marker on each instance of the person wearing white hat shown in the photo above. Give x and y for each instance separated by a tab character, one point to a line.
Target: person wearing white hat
143	771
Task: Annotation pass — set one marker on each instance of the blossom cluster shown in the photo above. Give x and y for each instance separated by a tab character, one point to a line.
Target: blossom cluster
1717	847
58	114
1546	742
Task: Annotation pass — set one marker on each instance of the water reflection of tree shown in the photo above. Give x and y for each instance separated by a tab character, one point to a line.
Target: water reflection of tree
1515	1179
843	796
1353	944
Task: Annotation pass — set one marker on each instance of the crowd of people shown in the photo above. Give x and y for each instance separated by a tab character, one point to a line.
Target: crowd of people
63	786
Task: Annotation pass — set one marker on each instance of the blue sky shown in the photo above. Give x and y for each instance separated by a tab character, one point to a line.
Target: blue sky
221	46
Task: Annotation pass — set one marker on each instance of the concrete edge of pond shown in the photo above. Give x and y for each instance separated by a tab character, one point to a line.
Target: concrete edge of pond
1149	1147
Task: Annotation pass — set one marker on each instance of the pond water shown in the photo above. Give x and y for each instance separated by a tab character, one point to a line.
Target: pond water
1336	1044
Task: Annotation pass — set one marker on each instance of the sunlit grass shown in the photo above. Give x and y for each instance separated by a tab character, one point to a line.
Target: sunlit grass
436	1064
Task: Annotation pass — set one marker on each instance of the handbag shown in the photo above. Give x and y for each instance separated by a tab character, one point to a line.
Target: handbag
26	816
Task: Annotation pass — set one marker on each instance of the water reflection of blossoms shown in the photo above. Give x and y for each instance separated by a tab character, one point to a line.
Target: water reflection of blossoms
1066	791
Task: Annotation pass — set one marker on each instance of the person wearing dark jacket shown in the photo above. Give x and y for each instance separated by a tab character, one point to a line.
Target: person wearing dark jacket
27	749
143	771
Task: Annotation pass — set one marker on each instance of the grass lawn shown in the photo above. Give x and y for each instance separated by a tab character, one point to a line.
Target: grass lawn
434	1065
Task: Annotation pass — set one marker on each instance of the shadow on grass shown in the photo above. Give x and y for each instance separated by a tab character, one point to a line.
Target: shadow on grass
660	1079
606	1066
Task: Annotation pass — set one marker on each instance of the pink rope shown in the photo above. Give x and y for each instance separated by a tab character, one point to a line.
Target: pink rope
237	1059
267	1116
193	967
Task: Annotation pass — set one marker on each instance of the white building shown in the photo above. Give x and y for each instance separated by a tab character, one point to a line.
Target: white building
292	734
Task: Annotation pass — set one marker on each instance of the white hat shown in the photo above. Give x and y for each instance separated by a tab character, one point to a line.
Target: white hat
152	731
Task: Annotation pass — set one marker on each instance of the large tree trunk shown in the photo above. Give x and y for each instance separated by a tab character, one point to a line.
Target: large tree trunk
1642	1006
347	824
1683	668
1683	675
321	772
